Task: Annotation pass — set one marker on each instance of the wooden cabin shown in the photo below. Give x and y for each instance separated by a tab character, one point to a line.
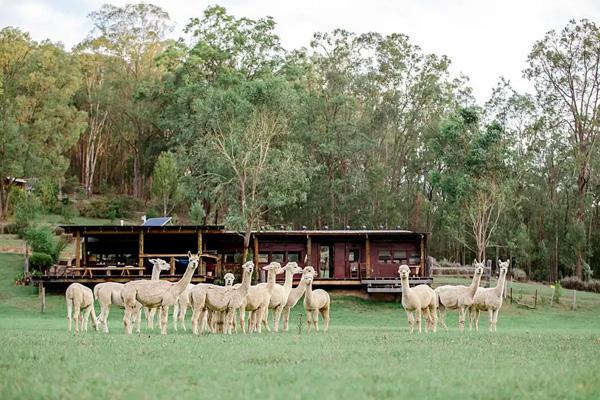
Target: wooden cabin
348	258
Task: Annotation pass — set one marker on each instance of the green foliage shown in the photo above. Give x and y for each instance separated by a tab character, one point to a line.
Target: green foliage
68	211
557	292
166	184
26	207
197	213
43	240
40	261
109	207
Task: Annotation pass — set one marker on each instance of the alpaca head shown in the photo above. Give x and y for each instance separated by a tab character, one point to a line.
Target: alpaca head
162	264
193	259
479	270
229	278
248	267
477	264
503	266
292	267
273	266
404	271
309	270
308	276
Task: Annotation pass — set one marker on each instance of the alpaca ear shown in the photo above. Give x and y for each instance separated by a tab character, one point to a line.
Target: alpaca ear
189	254
474	261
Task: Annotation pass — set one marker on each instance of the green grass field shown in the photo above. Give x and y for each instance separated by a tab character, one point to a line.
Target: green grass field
547	353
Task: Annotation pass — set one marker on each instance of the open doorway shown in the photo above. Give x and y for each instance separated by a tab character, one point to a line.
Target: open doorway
326	261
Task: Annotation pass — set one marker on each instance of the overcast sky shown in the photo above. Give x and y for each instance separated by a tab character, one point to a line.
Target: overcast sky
485	39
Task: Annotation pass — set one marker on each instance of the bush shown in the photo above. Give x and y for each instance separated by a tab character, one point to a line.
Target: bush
40	261
26	207
109	207
519	275
68	211
557	292
47	190
574	283
43	240
197	213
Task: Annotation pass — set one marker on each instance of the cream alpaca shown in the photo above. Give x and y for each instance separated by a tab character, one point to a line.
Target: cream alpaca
220	299
280	294
315	302
216	319
489	299
80	298
162	266
109	293
458	297
258	299
416	300
161	294
294	296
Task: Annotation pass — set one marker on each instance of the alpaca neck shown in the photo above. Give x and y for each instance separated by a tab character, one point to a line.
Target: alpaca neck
474	284
270	280
299	289
155	272
309	294
405	287
500	284
183	283
245	285
289	278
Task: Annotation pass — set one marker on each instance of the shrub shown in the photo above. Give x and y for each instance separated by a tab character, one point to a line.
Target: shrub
40	261
557	292
197	213
109	207
26	207
43	240
574	283
47	190
519	275
68	210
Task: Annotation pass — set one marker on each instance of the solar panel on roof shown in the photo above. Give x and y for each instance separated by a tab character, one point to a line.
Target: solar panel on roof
162	221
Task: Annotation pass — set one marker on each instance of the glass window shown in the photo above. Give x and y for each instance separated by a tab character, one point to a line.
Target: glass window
385	256
293	256
353	255
415	258
400	257
229	258
278	256
263	257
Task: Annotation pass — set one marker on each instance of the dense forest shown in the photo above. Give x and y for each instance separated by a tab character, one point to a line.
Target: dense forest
354	130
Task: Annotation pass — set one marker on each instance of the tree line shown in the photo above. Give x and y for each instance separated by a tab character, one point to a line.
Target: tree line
353	130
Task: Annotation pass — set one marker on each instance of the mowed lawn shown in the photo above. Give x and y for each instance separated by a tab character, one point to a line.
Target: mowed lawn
547	353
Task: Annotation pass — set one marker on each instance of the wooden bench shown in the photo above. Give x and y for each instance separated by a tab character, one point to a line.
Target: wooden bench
125	270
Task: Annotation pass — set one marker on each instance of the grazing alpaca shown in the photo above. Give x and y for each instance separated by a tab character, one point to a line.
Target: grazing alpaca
109	293
280	294
458	297
315	302
161	294
489	299
295	295
259	297
80	298
418	299
219	299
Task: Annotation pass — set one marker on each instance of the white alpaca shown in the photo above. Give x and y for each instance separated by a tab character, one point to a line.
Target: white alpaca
458	297
258	299
489	299
294	296
158	265
418	299
180	307
219	299
280	294
109	293
216	319
161	294
80	298
315	302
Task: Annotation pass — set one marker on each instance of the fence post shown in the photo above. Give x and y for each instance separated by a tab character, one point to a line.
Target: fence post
574	306
42	293
511	296
535	299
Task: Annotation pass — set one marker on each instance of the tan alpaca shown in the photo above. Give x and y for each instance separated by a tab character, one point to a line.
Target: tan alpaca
109	293
295	295
161	294
258	299
220	299
418	299
180	307
158	264
80	298
458	297
216	319
315	302
490	300
280	294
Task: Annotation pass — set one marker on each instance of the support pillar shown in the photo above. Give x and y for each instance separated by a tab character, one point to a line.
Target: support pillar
368	257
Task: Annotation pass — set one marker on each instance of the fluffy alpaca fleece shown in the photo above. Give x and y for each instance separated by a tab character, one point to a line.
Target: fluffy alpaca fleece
417	300
180	307
158	265
280	294
490	300
219	299
315	302
295	296
258	299
458	297
216	319
109	293
79	298
161	294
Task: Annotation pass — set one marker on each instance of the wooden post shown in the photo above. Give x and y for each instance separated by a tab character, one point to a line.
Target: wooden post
199	271
255	258
172	270
26	261
422	269
141	252
511	296
78	250
42	294
574	306
308	260
535	299
368	255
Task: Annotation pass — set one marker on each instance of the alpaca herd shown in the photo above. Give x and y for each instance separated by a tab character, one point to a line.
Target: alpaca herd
214	307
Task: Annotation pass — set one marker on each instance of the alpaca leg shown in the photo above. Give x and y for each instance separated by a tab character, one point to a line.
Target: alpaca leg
69	314
433	316
149	321
203	320
477	313
175	315
258	320
94	318
103	317
443	318
86	316
264	320
461	319
127	319
182	312
315	314
194	321
164	314
286	318
277	318
418	313
76	311
495	319
138	317
411	322
242	322
491	314
427	320
228	318
308	320
326	317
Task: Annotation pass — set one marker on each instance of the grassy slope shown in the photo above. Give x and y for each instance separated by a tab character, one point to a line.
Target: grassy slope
538	354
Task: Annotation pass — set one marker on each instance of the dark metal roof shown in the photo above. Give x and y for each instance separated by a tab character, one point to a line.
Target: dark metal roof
138	228
161	221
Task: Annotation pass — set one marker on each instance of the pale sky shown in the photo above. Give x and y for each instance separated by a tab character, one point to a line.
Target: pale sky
484	39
